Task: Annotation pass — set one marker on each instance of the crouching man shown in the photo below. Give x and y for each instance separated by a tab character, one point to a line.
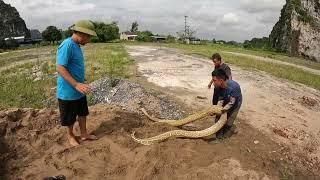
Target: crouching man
230	99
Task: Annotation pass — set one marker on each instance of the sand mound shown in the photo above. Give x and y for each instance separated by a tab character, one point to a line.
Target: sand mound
33	145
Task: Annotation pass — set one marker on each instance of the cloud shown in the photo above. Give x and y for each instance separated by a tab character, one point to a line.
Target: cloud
258	6
231	20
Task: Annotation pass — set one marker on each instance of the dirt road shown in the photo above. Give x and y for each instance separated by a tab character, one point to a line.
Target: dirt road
287	112
314	71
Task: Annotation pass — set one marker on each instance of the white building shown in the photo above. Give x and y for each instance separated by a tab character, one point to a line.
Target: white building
128	36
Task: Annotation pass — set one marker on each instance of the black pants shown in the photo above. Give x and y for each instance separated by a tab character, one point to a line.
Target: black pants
70	109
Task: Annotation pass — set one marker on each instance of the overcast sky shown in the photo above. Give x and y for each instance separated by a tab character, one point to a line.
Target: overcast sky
220	19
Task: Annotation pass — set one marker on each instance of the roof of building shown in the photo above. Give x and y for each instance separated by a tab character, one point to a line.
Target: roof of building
129	33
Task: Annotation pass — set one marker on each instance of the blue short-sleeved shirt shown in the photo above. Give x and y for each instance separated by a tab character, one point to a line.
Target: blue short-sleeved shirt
69	55
233	90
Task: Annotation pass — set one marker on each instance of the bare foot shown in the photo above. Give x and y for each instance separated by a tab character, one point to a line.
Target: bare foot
73	142
89	137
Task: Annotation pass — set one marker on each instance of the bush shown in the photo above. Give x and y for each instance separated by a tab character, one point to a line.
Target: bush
145	36
12	44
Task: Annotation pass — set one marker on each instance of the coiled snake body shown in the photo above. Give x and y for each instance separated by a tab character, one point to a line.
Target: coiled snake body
182	133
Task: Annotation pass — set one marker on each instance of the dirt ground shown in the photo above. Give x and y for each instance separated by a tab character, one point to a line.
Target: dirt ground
35	146
286	112
277	131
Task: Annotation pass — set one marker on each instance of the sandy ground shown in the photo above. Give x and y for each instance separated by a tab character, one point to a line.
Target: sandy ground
287	112
277	131
35	146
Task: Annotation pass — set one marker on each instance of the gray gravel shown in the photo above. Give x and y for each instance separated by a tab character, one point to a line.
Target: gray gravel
132	96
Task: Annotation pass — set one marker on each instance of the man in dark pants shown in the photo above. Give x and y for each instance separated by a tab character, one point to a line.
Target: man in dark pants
230	99
218	64
71	89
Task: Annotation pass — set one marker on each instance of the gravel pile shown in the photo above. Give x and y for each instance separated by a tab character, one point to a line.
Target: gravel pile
132	96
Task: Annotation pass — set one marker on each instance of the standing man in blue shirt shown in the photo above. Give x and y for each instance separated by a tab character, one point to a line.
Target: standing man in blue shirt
230	98
71	89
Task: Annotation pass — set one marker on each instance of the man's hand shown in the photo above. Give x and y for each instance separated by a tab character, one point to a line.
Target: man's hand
83	88
223	111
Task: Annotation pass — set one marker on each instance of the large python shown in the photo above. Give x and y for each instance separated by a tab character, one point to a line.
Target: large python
187	134
191	118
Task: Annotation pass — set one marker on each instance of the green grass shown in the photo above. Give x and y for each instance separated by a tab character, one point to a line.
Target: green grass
10	57
277	70
18	88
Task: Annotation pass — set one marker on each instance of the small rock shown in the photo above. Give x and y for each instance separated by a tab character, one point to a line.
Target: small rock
256	142
37	79
13	115
2	114
201	97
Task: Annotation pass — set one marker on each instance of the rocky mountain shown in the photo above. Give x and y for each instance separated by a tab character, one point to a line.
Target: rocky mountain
11	24
298	29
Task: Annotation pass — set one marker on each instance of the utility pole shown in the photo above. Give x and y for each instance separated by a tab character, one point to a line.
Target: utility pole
186	30
185	26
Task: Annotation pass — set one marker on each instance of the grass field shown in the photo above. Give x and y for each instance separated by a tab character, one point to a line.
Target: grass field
33	84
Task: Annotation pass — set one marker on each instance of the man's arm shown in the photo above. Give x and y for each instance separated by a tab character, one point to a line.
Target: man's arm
231	103
228	72
210	83
82	88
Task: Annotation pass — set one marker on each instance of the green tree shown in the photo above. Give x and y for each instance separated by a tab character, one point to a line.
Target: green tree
214	41
257	43
106	32
67	33
145	36
135	27
171	39
52	34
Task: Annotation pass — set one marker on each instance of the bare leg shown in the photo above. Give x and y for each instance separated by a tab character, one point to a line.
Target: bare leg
71	137
83	129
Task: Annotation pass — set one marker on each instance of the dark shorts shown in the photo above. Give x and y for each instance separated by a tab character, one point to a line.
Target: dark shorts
70	109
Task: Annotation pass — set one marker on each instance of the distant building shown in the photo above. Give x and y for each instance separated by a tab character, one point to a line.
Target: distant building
18	39
159	38
195	41
128	36
35	37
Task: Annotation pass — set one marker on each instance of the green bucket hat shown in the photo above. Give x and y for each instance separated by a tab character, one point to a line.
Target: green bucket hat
84	26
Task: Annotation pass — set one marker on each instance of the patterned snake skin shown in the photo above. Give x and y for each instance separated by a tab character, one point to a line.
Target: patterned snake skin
187	134
191	118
